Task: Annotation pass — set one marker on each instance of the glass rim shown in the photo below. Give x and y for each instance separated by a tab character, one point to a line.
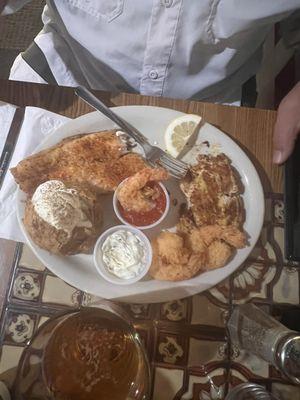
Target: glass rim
282	356
237	390
121	314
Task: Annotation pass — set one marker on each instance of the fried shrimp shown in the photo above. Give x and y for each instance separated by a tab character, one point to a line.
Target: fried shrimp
179	256
229	234
219	254
172	260
217	250
135	195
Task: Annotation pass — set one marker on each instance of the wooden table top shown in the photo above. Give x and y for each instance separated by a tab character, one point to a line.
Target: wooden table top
181	325
251	128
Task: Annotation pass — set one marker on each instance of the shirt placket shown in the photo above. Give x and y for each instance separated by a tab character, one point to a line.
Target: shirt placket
160	40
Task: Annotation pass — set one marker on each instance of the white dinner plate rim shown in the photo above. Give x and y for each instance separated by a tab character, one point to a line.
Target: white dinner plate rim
140	298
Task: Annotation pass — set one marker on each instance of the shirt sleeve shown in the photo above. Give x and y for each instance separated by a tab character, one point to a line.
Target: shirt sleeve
12	6
290	31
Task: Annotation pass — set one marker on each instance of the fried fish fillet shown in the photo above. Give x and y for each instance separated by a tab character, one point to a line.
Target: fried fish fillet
213	192
97	160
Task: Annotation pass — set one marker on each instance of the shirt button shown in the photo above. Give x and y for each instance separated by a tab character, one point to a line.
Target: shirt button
167	3
153	74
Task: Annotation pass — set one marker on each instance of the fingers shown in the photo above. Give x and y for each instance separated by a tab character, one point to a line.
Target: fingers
285	135
287	126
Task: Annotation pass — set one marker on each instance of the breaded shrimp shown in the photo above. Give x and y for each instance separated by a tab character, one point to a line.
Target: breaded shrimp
230	234
182	255
217	251
195	242
134	195
218	254
171	248
172	260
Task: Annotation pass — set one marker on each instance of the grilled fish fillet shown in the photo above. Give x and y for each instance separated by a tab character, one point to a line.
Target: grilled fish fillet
213	192
96	160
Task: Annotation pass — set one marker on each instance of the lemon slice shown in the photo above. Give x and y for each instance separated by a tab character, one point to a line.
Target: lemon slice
179	131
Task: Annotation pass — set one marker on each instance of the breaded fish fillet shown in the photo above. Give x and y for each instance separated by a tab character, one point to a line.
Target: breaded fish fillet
97	160
213	192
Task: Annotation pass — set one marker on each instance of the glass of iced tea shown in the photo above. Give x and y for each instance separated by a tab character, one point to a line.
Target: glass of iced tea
86	354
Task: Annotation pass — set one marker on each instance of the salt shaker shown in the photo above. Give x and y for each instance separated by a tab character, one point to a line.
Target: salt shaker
249	391
257	332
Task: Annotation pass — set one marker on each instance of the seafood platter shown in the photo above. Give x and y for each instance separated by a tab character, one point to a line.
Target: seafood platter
104	219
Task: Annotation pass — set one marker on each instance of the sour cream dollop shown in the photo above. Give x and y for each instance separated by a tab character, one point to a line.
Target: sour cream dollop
60	206
124	254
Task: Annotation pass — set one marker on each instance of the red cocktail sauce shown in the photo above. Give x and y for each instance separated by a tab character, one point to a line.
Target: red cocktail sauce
146	218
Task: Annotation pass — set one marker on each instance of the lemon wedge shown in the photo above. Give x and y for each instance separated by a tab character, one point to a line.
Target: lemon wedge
179	131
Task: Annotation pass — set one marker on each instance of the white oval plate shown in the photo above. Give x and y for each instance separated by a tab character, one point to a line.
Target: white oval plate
80	271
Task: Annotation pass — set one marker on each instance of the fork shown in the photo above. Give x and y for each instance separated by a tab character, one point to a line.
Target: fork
153	154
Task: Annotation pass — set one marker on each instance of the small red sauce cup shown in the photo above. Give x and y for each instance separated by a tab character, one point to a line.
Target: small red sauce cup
148	219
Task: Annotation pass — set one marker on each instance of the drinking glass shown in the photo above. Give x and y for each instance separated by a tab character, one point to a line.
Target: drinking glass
257	332
90	353
249	391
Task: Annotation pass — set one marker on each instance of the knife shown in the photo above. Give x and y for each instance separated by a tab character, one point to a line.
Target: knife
10	142
292	205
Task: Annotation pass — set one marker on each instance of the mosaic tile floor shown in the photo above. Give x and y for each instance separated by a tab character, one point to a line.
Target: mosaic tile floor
186	339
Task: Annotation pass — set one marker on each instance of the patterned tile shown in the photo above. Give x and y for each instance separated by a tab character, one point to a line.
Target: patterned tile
145	337
10	356
171	349
19	328
264	249
89	299
239	374
167	382
220	294
278	211
235	377
276	374
42	320
279	237
268	210
255	366
138	311
278	233
203	352
252	281
29	260
175	310
207	386
286	290
205	312
185	339
27	286
286	392
58	292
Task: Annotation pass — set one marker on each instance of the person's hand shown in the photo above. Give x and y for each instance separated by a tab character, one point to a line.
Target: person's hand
287	125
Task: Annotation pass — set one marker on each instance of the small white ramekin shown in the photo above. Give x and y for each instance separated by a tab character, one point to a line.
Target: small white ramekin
100	265
163	216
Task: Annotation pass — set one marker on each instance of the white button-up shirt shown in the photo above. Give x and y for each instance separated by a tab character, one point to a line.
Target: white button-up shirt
201	49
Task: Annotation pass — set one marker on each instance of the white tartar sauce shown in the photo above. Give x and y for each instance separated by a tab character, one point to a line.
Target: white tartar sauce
124	254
